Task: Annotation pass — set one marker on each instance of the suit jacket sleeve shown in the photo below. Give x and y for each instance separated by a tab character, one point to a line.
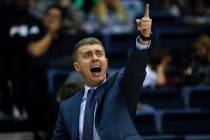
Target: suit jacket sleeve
133	77
60	131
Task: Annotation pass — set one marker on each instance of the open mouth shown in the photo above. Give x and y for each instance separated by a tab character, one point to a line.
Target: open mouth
95	69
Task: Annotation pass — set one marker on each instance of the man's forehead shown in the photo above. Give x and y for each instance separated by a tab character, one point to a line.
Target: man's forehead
86	48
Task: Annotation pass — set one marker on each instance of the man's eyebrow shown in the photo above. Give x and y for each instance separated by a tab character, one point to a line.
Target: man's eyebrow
87	52
100	50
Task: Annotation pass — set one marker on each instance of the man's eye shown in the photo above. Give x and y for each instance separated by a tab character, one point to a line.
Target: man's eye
87	55
100	53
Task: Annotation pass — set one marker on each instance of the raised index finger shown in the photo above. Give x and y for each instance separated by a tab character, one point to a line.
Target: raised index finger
146	11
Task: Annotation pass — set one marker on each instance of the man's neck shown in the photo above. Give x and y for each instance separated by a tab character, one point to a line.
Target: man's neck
87	86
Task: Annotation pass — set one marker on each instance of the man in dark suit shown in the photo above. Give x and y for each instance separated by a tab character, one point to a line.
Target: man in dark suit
105	108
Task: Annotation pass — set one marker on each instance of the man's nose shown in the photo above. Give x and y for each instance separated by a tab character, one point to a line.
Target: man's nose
95	57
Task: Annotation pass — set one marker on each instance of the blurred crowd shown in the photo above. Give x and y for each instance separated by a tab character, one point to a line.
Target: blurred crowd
33	32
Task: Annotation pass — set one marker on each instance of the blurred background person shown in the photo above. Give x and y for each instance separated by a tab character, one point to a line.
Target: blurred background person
74	16
107	16
156	69
173	7
198	13
43	49
17	25
198	71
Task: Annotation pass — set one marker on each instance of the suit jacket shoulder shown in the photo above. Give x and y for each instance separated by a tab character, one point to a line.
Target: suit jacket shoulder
71	100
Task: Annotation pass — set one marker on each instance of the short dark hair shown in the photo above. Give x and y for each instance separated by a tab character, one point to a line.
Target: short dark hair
85	41
157	56
58	7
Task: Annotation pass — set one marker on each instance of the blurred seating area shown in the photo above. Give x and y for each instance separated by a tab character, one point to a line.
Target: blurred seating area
175	101
178	114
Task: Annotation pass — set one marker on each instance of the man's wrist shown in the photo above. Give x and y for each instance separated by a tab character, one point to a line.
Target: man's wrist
145	37
143	42
140	44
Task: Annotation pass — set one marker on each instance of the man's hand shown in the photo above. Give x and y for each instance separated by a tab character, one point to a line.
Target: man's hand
144	25
54	26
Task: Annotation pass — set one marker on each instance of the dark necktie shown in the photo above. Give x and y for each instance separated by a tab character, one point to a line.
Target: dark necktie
89	116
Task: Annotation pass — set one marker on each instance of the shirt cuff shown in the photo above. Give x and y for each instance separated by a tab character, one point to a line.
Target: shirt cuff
141	46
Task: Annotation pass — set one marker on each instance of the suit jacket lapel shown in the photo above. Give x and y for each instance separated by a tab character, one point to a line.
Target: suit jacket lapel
102	89
100	92
76	114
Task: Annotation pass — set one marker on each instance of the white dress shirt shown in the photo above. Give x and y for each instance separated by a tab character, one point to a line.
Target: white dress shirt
84	100
82	114
151	78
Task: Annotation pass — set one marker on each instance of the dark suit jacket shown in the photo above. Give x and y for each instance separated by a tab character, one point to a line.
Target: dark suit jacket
117	100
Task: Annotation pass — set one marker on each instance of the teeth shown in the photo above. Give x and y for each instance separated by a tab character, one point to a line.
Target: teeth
95	67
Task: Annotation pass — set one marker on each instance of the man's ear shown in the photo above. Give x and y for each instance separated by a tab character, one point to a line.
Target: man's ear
76	66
